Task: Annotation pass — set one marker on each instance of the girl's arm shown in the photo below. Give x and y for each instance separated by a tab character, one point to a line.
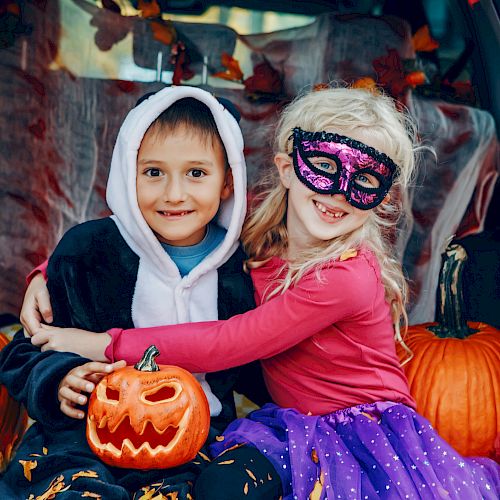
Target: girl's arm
275	326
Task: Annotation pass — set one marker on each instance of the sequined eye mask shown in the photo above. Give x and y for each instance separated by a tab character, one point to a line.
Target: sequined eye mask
359	172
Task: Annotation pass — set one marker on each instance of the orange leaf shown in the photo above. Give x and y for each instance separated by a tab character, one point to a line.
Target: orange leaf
44	450
251	474
84	473
245	489
55	487
365	83
89	494
422	40
233	71
348	254
219	438
149	9
226	462
163	32
28	466
415	78
202	455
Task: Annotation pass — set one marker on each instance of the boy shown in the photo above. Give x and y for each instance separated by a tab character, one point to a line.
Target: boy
161	258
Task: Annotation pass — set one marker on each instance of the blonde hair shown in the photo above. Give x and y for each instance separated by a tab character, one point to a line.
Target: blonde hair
345	110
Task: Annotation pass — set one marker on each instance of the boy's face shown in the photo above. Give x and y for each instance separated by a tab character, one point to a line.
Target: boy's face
181	180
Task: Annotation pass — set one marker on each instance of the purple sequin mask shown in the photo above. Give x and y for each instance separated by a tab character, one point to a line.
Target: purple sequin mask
352	162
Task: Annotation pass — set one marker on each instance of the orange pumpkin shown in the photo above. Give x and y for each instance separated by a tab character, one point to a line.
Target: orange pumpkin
13	420
454	374
147	416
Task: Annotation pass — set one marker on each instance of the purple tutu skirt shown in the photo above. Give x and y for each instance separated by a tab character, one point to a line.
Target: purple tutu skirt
378	450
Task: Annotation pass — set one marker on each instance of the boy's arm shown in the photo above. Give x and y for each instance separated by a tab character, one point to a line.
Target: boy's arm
32	377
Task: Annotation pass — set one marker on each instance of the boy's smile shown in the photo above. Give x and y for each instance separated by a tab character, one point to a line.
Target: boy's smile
181	180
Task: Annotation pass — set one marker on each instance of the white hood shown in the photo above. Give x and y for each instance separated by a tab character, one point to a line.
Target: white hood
161	296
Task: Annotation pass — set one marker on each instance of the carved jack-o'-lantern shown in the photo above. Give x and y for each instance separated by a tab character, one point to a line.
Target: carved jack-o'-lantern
147	416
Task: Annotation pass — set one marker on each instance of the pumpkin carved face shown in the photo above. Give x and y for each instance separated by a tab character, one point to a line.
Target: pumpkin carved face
147	419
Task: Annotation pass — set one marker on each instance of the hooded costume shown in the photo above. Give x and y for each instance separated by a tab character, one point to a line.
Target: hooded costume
114	272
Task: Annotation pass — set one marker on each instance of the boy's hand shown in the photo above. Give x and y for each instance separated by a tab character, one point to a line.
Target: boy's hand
36	305
87	344
79	380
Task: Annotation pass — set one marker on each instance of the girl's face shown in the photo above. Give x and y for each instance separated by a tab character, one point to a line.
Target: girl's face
314	217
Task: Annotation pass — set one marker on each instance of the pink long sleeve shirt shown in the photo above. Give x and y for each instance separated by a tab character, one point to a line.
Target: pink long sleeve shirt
325	344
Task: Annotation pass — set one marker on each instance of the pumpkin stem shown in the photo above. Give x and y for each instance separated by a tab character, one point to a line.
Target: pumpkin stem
449	311
147	362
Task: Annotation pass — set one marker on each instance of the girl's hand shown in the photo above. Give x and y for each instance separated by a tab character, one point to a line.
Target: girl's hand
87	344
80	380
36	305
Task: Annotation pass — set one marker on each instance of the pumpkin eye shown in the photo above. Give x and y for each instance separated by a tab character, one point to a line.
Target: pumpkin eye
112	394
162	394
107	394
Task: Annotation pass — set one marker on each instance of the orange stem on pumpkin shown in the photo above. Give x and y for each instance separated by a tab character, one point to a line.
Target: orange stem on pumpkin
449	311
147	363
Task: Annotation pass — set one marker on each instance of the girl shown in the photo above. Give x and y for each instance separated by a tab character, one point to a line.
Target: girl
331	300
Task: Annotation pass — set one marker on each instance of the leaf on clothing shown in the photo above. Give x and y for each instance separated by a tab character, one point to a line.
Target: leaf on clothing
219	438
84	473
34	455
56	486
316	493
348	254
202	455
89	494
269	477
45	450
314	456
226	462
229	449
28	466
251	474
245	489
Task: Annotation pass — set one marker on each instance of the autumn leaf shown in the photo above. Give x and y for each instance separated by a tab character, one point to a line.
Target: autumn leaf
348	254
422	40
84	473
149	8
55	487
89	494
219	438
226	462
245	489
233	71
44	450
28	466
251	474
163	32
314	456
318	488
365	83
202	455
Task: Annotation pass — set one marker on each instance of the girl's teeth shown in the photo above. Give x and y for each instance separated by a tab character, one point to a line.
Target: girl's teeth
335	215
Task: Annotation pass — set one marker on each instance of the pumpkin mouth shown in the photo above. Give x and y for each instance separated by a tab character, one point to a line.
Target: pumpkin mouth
125	436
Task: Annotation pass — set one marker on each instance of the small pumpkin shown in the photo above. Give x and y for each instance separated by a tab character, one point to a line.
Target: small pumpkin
13	420
147	416
454	374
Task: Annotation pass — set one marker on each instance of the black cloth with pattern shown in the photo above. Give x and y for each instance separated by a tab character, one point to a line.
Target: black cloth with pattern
91	279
